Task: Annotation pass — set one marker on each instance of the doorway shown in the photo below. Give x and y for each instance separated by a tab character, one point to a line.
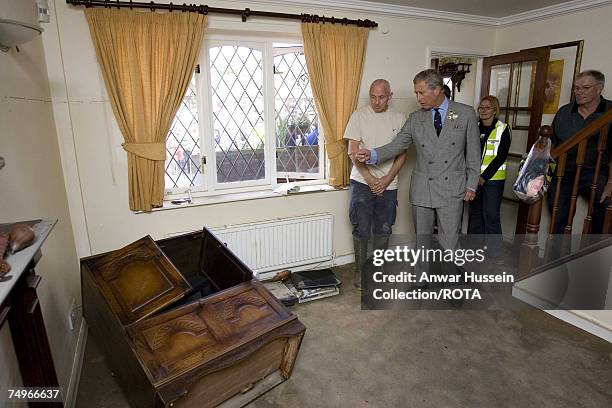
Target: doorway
531	85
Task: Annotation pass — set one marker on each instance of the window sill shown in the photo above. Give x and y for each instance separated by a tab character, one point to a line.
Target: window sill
244	196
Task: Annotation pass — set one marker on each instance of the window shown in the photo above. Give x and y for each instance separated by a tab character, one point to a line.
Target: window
297	127
247	121
183	144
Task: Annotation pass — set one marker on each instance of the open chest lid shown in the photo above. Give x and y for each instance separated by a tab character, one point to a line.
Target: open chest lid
138	280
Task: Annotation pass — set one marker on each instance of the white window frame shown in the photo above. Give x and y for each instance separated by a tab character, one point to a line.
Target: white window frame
208	113
177	192
320	175
210	186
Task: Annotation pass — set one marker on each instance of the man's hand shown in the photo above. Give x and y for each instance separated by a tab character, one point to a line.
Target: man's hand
371	181
607	192
363	155
469	195
380	185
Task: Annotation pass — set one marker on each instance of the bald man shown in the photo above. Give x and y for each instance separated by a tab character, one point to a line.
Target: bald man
447	168
373	187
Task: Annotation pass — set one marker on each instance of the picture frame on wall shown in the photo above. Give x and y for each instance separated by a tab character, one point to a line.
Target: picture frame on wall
563	66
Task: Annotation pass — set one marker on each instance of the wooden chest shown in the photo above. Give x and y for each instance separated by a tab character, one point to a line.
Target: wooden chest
184	324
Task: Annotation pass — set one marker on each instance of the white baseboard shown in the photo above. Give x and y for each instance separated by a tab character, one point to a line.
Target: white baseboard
582	323
344	259
341	260
77	366
567	316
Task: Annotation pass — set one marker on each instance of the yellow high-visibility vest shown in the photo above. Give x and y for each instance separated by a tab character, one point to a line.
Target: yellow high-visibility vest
490	151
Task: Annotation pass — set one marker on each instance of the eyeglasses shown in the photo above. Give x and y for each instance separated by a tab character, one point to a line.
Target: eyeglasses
485	108
585	88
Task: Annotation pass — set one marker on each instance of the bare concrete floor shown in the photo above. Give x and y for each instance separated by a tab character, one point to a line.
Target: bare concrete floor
455	358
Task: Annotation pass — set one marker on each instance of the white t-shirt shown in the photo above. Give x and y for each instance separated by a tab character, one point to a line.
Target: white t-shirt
374	130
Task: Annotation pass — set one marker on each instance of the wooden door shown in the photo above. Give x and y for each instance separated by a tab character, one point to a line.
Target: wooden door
518	81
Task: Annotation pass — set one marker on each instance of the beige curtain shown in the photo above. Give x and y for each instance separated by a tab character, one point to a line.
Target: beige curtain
334	57
147	60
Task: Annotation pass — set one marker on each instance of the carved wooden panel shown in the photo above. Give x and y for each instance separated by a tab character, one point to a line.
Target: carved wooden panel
211	390
137	280
179	340
168	345
238	315
288	336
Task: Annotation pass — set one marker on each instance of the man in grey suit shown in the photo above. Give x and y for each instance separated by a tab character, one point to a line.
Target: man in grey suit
447	169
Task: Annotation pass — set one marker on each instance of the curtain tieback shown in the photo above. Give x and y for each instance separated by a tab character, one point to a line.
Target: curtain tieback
336	148
151	151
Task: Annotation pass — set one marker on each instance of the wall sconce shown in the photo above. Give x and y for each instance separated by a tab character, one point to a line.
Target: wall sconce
456	71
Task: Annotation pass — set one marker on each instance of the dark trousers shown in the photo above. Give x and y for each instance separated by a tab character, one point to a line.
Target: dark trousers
485	215
584	190
371	214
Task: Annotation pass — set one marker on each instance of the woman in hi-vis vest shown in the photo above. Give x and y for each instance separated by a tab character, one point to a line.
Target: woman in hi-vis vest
494	146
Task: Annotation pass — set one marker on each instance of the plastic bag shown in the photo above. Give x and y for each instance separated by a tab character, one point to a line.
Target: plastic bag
532	183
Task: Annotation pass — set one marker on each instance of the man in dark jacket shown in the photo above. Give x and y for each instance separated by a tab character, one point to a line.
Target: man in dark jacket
569	120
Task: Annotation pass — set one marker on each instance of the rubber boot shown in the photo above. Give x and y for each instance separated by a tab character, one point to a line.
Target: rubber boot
361	254
379	242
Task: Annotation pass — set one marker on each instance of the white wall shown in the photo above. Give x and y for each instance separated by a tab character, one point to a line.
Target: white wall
592	26
32	187
96	165
468	85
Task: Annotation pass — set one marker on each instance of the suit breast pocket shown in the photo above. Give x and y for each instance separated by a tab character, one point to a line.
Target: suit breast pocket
459	125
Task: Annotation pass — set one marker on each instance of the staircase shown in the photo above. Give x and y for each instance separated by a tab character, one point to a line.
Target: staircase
572	269
530	261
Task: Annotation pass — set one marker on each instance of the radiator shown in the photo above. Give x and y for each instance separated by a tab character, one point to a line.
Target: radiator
282	243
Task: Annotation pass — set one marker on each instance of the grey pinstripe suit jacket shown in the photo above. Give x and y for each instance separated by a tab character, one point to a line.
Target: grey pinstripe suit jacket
445	165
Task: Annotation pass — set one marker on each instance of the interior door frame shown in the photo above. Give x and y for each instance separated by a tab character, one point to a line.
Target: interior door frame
541	56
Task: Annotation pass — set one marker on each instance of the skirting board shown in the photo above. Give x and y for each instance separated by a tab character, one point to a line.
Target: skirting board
344	259
337	261
77	365
582	323
565	315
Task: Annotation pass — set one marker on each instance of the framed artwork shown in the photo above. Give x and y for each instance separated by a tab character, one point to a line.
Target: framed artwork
554	83
564	64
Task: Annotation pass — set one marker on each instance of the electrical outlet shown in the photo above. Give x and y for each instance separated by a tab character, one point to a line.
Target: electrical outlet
72	315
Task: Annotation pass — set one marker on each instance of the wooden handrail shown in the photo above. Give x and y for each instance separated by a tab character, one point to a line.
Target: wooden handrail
583	134
529	257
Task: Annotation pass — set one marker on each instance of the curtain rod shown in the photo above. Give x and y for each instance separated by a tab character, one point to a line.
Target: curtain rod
245	14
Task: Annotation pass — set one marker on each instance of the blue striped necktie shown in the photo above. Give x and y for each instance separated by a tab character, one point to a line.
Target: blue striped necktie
437	121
